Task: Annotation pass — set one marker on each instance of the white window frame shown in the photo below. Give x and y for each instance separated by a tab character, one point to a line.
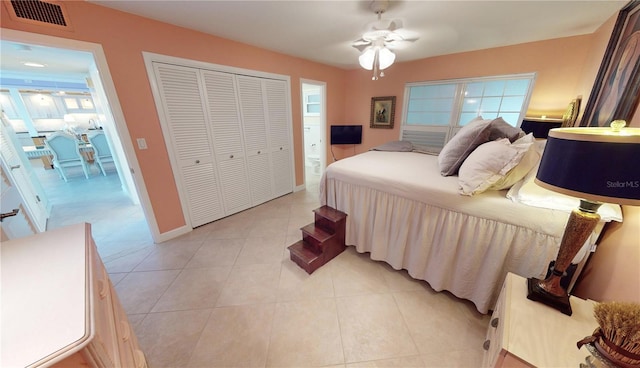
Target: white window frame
306	102
436	136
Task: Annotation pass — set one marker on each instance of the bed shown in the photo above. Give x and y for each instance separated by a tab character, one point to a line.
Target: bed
402	211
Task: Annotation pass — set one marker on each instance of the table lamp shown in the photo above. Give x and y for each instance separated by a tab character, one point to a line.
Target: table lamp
595	165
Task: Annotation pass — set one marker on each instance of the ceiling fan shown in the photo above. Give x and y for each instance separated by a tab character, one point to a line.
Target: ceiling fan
380	38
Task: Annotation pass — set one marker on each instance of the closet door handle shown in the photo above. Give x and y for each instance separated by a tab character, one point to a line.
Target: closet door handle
197	161
231	156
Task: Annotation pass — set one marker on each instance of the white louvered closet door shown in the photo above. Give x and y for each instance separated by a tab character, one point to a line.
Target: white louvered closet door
224	117
252	107
180	91
279	136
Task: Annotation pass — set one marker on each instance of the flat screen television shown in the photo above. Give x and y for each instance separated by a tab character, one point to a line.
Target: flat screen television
346	134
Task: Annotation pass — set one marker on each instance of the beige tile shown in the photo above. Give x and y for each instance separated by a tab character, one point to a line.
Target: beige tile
139	291
373	328
305	333
216	252
356	274
457	358
127	263
297	221
235	337
117	277
135	319
400	280
412	361
232	227
439	322
170	256
275	208
268	227
251	284
168	339
261	250
196	288
297	284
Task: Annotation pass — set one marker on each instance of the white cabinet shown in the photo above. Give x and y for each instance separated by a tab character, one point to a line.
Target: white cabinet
229	136
59	308
524	333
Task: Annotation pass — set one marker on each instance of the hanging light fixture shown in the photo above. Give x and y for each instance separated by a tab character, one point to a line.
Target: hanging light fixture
381	37
377	57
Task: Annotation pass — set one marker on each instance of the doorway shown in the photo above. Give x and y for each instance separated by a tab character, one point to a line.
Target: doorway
126	173
314	128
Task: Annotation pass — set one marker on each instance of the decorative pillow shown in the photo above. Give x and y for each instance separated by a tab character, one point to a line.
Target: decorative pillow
396	146
489	163
502	129
462	144
528	192
528	161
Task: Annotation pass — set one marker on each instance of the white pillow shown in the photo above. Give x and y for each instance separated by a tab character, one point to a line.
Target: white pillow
453	154
528	192
528	161
491	162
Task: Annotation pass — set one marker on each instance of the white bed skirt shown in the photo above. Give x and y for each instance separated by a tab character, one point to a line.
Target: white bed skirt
470	262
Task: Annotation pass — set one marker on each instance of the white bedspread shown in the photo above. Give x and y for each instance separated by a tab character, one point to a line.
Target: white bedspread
402	211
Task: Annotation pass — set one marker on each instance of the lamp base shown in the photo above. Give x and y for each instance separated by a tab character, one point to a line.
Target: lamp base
538	294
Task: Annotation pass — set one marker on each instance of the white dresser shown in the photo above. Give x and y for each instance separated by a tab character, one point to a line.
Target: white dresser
59	308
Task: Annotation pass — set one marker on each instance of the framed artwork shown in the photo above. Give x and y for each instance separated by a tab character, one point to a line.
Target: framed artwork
570	116
382	112
616	90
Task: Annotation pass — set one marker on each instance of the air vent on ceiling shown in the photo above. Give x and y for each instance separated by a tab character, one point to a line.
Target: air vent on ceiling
41	12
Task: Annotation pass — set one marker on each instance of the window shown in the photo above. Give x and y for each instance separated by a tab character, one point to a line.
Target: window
312	103
6	102
435	111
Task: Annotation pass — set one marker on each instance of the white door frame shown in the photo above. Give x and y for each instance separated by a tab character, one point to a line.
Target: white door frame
323	122
117	125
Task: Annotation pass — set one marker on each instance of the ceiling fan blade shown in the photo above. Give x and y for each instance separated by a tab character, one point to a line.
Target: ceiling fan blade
395	24
361	47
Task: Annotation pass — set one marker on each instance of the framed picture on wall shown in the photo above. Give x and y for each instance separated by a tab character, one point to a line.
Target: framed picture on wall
382	112
616	89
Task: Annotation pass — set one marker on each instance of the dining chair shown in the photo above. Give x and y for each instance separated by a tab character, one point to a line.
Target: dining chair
66	153
102	153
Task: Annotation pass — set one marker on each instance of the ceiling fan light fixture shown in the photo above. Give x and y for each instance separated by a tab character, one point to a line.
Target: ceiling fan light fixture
385	58
376	58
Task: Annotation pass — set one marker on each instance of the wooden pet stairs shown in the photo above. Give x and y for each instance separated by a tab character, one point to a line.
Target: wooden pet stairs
321	241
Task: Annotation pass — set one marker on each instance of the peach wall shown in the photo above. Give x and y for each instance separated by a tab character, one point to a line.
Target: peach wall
557	62
123	38
613	271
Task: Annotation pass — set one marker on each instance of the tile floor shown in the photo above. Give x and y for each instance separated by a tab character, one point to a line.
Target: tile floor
227	295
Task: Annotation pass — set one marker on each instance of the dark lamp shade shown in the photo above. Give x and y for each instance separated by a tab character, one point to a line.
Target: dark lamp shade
595	164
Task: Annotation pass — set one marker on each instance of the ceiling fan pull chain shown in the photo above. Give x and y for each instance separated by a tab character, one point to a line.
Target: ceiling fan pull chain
376	64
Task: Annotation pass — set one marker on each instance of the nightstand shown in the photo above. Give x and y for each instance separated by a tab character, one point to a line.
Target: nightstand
524	333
